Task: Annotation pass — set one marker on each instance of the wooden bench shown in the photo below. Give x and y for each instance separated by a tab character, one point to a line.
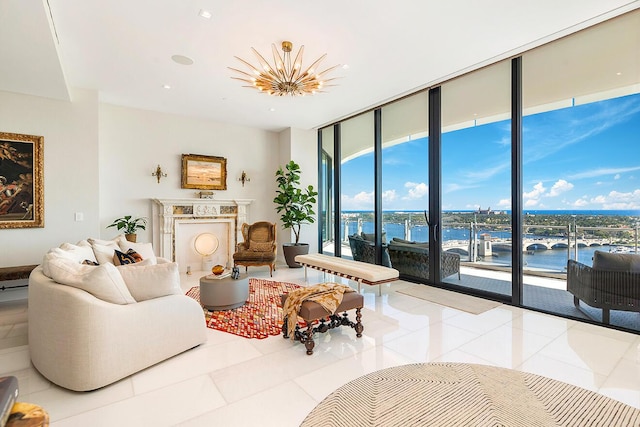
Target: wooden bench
311	312
361	272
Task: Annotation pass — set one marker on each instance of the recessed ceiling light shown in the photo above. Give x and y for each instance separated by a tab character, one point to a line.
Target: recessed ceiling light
182	60
272	109
618	73
205	14
166	86
345	67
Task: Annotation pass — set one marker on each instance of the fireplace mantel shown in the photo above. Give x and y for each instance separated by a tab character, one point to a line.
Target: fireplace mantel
169	212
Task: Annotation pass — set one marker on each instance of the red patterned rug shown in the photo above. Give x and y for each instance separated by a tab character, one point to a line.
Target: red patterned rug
260	317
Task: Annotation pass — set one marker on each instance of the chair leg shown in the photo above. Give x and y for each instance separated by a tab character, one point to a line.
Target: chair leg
576	301
605	316
308	339
270	270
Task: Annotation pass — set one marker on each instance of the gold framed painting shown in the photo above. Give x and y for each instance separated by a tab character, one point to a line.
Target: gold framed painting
204	172
21	181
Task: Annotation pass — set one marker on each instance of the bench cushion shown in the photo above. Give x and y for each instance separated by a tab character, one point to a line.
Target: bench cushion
370	273
311	310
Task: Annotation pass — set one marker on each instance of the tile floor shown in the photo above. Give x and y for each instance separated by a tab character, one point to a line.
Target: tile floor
233	381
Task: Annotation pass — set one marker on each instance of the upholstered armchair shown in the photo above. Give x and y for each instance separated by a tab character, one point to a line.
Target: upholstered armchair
259	246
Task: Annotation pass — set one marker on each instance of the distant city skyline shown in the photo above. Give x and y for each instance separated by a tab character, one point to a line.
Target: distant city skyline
585	157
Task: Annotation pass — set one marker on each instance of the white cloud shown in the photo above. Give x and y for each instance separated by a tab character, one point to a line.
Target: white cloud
537	191
603	171
616	176
580	203
505	203
530	203
416	191
363	197
389	196
618	200
360	201
560	187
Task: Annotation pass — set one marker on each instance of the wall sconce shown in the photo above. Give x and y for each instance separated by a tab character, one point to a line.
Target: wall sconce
244	178
158	174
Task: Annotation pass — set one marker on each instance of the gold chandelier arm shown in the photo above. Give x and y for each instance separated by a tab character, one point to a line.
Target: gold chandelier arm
279	61
254	69
252	76
311	68
265	65
297	64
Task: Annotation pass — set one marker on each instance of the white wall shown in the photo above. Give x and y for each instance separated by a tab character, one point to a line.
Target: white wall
70	131
133	142
301	146
98	160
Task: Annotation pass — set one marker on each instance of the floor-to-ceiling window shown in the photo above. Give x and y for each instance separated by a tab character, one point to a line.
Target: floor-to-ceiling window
476	178
581	156
327	213
357	178
570	168
405	177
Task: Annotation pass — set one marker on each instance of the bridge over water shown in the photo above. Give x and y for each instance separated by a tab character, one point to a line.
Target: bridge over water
528	244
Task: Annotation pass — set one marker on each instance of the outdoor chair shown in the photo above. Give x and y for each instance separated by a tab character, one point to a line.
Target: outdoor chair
613	283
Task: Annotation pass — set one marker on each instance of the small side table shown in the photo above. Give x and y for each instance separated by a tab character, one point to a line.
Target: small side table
224	294
27	415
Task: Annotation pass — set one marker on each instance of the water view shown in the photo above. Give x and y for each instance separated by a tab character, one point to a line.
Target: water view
548	238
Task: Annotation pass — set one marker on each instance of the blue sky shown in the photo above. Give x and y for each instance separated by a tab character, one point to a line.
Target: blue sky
582	157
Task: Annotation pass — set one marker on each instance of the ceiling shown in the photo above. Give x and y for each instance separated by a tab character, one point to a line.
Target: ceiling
123	49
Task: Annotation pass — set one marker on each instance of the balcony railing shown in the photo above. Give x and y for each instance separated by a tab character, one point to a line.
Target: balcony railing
546	248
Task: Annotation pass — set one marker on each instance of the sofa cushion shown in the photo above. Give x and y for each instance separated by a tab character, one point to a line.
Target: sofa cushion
151	281
102	281
371	237
407	242
144	249
79	252
104	252
119	238
616	262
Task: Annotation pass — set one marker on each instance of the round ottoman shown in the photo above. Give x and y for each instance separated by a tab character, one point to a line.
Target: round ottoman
224	294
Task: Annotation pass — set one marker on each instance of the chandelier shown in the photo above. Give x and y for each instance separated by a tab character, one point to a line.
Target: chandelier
284	77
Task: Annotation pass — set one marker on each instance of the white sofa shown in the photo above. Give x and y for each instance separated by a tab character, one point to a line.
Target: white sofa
83	335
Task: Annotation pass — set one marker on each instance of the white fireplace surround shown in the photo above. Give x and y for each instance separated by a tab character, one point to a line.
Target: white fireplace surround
177	222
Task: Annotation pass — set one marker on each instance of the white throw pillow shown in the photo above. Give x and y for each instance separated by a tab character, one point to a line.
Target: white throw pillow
104	253
151	281
119	238
79	252
144	249
102	281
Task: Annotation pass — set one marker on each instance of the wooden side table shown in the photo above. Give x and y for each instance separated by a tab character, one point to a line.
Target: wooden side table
27	415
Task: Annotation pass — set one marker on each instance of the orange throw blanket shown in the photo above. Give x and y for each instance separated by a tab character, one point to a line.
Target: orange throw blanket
328	295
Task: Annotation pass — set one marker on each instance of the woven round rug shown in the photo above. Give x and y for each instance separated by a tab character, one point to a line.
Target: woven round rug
457	394
260	317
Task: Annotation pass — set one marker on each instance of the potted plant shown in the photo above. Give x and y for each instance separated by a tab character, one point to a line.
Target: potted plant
129	225
295	206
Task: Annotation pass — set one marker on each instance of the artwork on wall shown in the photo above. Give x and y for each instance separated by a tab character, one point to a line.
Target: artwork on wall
204	172
21	181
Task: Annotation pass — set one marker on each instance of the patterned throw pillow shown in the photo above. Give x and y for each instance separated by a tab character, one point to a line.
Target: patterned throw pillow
260	246
89	262
121	258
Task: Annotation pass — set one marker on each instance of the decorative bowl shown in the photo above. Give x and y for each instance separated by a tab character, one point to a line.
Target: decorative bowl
217	269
